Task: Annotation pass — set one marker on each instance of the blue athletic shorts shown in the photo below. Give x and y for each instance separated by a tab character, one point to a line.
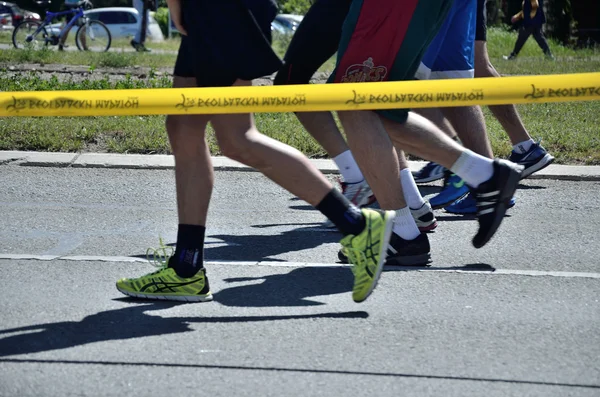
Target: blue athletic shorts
451	54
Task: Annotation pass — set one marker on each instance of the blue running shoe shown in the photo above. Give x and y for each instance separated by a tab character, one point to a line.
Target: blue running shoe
454	189
535	159
431	172
468	205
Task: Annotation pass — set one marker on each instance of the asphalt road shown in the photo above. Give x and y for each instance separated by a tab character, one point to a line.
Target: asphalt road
519	317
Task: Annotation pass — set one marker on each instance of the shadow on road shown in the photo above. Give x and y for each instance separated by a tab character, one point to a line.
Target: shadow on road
262	247
530	187
126	323
285	290
471	267
302	207
462	217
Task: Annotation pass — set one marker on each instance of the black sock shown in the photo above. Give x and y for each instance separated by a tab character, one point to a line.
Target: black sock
189	253
345	215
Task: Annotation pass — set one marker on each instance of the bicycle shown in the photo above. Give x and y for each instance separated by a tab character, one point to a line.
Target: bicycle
92	35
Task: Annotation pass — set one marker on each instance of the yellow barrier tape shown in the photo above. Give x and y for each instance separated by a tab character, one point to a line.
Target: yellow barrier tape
300	98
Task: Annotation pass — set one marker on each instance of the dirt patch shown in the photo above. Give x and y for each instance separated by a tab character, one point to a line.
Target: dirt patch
80	73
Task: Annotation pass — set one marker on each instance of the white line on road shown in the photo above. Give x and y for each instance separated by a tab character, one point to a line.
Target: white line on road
483	270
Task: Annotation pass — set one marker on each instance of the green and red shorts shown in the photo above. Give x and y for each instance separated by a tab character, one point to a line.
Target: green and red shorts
384	40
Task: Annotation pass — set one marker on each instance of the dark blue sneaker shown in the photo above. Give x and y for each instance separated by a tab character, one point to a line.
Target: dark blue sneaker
468	205
431	172
535	159
454	189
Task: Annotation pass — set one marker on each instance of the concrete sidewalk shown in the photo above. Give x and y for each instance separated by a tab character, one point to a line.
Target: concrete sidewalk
139	161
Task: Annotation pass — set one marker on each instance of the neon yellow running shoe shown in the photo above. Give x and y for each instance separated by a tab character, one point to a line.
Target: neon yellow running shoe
165	284
368	250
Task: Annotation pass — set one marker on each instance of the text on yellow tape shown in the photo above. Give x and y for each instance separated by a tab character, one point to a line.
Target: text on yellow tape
301	98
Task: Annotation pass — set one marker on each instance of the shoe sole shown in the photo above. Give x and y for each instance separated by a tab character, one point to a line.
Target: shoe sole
505	195
387	234
429	179
540	165
473	212
423	260
428	228
446	204
175	298
413	260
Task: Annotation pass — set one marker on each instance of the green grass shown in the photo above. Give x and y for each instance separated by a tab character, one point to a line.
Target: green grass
113	59
569	130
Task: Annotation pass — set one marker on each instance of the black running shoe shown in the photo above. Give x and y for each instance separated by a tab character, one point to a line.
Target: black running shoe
409	252
404	252
493	199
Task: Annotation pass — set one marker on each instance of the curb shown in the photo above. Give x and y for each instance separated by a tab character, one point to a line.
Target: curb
164	162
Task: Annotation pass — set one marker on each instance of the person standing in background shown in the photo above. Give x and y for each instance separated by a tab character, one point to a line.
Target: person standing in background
533	19
70	4
143	8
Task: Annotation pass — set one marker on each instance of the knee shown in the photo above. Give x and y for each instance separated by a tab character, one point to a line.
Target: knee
185	136
242	147
237	147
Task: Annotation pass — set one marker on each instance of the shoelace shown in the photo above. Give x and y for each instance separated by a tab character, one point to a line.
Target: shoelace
159	257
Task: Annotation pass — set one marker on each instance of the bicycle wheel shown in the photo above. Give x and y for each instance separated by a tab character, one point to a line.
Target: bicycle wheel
23	35
93	36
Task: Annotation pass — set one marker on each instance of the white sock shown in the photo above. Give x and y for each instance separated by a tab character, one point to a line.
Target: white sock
473	168
411	191
404	224
348	167
523	147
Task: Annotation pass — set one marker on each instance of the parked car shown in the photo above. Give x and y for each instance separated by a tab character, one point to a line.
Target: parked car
279	28
15	12
122	22
125	22
294	18
6	22
32	15
288	21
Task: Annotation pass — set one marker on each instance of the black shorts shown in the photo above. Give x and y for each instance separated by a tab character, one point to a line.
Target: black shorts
314	42
481	24
227	40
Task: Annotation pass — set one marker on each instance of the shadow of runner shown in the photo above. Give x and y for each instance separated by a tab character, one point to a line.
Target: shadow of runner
125	323
262	246
290	289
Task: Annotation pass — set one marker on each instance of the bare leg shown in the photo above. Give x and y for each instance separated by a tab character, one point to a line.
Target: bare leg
373	155
436	116
64	37
470	125
418	135
194	177
240	140
402	161
322	126
422	138
507	115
